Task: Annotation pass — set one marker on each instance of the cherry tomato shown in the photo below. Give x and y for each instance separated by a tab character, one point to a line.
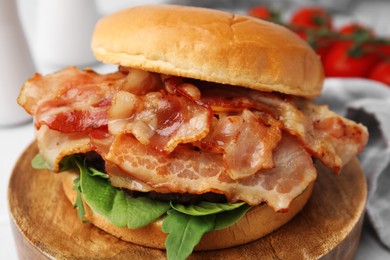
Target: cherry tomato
311	17
324	45
323	50
383	50
355	28
302	34
340	62
261	12
381	72
320	43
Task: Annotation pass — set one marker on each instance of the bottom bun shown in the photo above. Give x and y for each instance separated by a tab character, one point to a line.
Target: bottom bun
257	222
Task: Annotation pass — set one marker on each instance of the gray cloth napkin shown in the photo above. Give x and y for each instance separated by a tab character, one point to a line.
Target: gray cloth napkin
368	102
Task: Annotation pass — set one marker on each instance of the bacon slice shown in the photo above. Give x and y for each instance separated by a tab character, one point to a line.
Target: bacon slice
101	140
247	141
224	98
72	117
54	145
65	82
119	178
159	119
140	82
74	100
346	137
197	172
332	139
71	100
158	132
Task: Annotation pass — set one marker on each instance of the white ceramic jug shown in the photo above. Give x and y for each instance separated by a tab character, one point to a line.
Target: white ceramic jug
16	64
63	32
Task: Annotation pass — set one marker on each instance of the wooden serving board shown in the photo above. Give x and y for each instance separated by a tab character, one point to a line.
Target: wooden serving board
46	226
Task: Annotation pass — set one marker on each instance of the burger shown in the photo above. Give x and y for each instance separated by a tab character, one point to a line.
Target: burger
205	135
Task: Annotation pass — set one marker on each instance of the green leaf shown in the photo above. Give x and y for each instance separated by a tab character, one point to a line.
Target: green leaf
98	173
185	224
205	208
228	218
39	163
113	203
69	162
79	203
184	232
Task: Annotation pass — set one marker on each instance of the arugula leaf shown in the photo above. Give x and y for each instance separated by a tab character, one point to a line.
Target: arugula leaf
205	208
185	224
39	163
228	218
184	232
69	162
79	203
115	205
95	172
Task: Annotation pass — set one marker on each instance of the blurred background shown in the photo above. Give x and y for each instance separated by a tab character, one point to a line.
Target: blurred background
352	37
34	14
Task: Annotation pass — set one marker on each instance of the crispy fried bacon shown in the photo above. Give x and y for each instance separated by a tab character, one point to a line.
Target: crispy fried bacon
246	140
332	139
74	100
176	135
198	172
159	119
225	98
54	145
68	85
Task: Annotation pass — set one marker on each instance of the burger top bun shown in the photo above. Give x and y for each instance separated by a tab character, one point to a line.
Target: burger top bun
209	45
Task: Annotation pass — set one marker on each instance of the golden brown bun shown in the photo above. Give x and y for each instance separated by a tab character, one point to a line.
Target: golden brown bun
209	45
258	222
